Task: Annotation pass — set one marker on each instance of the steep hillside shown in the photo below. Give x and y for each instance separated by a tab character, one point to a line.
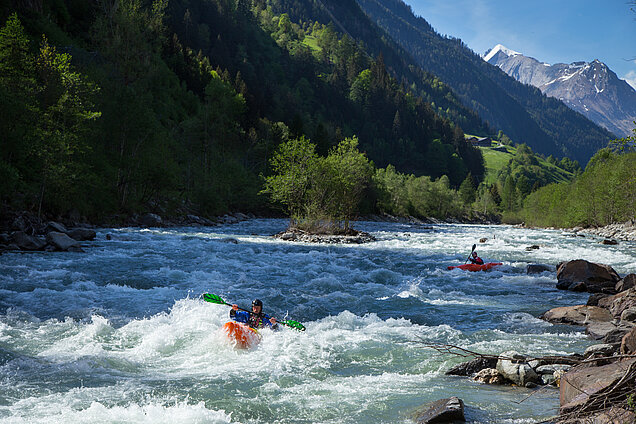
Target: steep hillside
133	106
591	89
521	111
347	18
332	85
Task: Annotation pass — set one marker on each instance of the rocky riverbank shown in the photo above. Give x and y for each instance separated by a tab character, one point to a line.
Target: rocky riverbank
600	389
625	231
485	219
596	387
26	232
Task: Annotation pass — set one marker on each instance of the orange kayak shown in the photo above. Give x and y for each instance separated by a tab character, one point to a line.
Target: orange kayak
476	267
243	336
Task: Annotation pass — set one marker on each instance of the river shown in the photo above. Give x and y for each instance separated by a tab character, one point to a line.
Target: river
120	334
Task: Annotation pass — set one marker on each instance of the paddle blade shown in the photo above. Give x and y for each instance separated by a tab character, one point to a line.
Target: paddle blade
212	298
293	324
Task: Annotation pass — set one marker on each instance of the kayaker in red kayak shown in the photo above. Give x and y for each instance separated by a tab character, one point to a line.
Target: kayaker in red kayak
476	259
256	319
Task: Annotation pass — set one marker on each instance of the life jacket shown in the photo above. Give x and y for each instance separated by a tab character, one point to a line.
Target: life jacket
477	260
255	321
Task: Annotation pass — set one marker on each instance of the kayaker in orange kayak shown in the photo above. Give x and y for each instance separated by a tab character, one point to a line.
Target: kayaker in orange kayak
256	319
476	259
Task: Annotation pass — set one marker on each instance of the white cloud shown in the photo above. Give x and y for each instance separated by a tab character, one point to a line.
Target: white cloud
630	77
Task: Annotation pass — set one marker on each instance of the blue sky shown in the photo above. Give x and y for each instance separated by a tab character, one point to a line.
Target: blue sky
551	31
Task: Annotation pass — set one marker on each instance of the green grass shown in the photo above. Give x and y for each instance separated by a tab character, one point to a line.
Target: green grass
495	161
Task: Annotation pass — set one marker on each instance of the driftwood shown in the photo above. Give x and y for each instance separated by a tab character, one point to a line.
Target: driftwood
465	353
616	399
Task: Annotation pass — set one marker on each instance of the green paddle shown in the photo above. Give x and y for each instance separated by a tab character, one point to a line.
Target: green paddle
212	298
471	252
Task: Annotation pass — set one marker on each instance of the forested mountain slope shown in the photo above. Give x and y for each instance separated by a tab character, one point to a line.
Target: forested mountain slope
347	17
521	111
129	106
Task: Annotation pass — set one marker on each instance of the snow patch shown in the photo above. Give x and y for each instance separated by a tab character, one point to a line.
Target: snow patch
500	48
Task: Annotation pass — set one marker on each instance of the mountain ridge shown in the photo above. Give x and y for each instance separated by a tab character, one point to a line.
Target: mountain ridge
521	111
590	88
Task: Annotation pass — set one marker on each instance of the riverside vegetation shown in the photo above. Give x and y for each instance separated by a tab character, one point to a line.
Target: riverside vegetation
116	111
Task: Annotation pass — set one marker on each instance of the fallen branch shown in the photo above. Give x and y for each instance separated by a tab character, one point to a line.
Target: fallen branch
465	353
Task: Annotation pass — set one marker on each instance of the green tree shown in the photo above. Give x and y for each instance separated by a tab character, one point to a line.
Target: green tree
294	166
18	106
625	144
359	92
494	194
467	190
45	117
65	110
350	173
509	194
444	197
391	189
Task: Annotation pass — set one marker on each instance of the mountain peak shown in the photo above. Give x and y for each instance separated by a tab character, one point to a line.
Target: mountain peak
497	49
590	88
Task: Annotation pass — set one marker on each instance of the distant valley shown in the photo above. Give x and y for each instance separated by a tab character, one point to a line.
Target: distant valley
590	88
521	111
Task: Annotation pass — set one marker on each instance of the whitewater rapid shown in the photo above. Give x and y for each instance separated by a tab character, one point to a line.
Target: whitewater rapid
120	333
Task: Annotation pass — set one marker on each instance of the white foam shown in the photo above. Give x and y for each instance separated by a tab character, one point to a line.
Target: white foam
76	406
125	321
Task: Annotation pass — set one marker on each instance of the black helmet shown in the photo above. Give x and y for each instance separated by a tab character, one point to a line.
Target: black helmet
257	302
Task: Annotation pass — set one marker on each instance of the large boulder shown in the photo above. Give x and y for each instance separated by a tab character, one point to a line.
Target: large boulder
629	314
539	268
472	367
616	335
581	382
626	283
619	302
514	367
581	275
82	234
150	220
61	241
229	219
601	330
489	376
599	350
595	298
27	242
577	315
628	344
241	216
54	226
442	411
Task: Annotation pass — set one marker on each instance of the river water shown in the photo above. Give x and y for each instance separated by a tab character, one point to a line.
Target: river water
119	334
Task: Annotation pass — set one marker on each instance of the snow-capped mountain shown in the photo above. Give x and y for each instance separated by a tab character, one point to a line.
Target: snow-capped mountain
591	88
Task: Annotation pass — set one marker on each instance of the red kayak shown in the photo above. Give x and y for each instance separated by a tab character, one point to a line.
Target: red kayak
476	267
241	335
